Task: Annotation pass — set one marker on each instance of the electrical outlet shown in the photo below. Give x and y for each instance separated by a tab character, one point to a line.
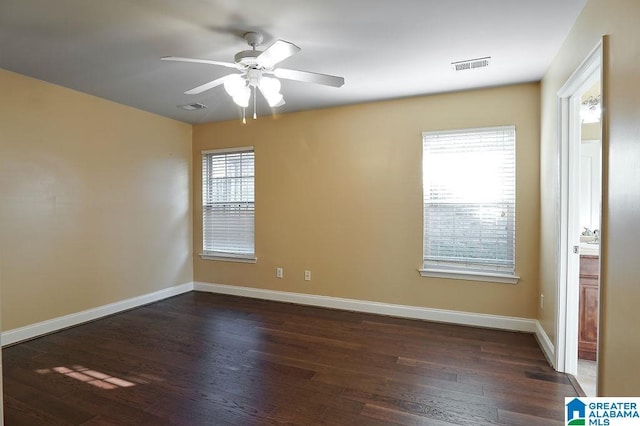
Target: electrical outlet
541	301
279	273
307	275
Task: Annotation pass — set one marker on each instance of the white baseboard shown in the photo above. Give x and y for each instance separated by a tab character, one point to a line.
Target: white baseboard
415	312
546	345
430	314
59	323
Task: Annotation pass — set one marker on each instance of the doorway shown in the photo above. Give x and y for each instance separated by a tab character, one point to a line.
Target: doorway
580	165
589	201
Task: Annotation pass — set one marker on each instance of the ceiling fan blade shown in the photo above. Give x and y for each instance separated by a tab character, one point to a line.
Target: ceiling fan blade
278	51
198	61
309	77
207	86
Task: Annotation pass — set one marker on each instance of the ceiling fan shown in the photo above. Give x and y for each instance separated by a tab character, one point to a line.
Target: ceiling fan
258	70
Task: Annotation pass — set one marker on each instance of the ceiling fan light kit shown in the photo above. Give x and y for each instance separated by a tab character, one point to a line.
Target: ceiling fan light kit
257	72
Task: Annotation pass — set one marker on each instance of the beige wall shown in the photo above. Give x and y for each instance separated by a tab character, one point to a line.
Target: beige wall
338	192
95	203
619	357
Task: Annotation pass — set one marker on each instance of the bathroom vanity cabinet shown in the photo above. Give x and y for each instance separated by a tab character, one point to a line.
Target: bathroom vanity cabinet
589	295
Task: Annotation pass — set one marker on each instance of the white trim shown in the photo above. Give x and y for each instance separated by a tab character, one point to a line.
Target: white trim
470	276
469	130
566	354
545	344
45	327
403	311
229	258
228	150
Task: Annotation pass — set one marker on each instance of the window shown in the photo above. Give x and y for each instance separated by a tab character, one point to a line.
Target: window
469	204
228	204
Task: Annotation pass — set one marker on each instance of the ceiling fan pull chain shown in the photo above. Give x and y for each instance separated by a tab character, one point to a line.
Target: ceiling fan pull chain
255	115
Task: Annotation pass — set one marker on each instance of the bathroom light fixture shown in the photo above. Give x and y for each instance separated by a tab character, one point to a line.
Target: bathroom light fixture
590	110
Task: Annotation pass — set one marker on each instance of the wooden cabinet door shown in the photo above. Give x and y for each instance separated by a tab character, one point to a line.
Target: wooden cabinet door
589	295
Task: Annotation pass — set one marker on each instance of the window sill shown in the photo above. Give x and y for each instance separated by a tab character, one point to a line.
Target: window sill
470	276
229	257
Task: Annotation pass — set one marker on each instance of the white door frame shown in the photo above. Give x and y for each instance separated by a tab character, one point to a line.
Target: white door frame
1	389
569	99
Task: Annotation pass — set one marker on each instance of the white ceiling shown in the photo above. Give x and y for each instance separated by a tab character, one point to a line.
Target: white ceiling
383	48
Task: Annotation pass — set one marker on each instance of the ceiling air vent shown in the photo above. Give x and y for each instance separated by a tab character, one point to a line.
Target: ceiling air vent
470	64
193	107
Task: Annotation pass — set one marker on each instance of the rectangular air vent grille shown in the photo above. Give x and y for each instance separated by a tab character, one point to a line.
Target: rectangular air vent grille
193	107
470	64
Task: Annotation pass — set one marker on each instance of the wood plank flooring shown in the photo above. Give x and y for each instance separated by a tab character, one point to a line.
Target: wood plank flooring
206	359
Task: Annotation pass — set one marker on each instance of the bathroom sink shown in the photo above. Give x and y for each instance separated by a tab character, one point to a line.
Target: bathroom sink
590	248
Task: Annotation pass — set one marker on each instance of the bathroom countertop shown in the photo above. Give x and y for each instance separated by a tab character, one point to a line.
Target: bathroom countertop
589	249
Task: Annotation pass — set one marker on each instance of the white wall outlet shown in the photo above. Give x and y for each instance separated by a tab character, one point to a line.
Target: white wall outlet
541	301
307	275
279	273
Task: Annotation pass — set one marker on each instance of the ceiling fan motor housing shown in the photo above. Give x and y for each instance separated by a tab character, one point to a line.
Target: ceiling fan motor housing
248	59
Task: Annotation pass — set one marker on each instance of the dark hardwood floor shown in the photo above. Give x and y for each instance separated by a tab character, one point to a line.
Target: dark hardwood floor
206	359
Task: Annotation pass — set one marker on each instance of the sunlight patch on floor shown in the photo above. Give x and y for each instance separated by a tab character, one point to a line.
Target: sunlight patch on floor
92	377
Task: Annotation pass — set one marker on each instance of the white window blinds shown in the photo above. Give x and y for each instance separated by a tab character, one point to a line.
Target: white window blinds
228	202
469	200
